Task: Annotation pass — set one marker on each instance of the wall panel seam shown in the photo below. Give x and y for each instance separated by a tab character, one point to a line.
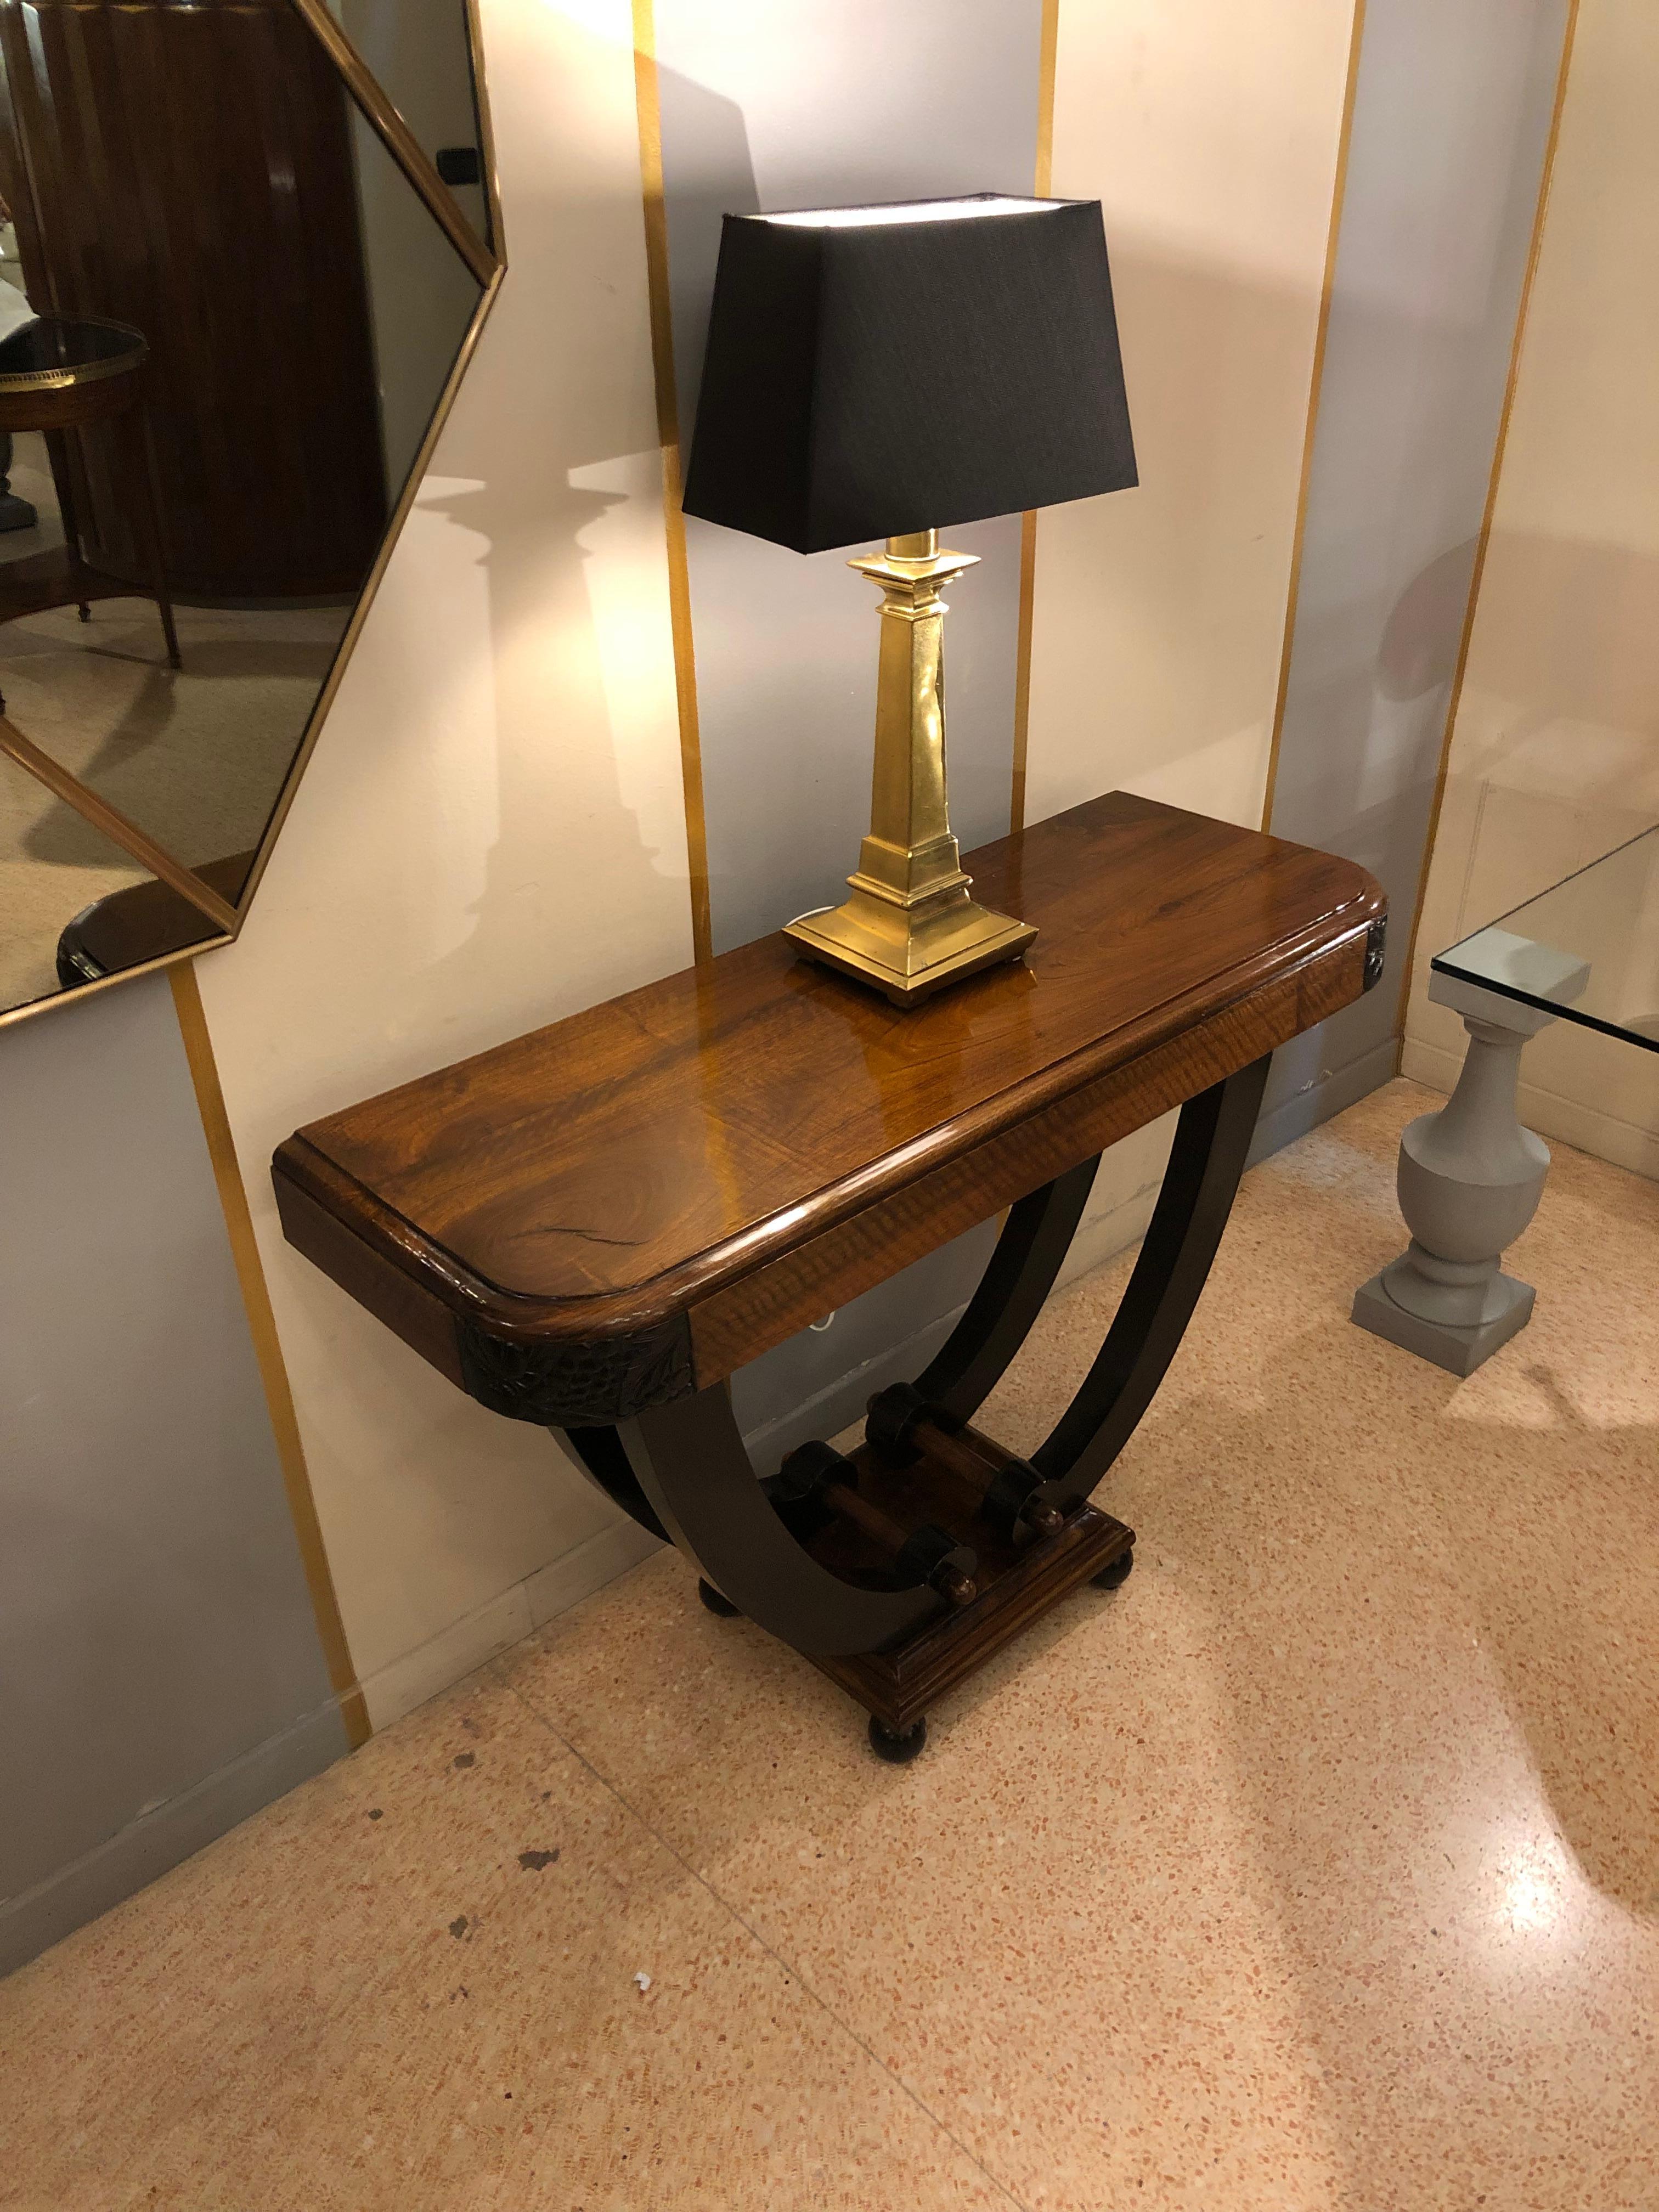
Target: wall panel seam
1042	184
1316	392
648	110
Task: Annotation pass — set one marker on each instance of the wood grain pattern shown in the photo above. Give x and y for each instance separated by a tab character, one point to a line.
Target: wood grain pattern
56	578
900	1684
745	1318
748	1141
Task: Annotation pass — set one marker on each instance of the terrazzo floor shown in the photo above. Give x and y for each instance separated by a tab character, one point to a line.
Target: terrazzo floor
1315	1870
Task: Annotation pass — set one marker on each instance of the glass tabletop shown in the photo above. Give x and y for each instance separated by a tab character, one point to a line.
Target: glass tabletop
1586	949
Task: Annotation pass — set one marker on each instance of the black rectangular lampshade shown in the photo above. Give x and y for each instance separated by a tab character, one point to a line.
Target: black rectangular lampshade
875	371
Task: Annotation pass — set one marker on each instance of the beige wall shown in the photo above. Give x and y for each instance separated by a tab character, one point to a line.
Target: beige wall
489	835
1555	750
1210	133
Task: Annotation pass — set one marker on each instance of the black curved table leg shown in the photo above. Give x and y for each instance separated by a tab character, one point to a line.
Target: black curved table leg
691	1464
605	1464
1212	1141
1017	1278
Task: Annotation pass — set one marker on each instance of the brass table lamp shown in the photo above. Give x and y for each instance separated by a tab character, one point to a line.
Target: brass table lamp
870	372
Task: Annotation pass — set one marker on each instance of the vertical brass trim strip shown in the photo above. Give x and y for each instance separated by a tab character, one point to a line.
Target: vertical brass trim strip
1315	392
649	111
273	1373
1028	522
1534	255
492	182
1042	184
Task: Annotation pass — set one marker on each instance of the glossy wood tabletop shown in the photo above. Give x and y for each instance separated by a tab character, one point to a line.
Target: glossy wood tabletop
625	1163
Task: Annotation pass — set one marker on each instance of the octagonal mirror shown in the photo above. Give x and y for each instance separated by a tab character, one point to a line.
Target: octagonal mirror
247	247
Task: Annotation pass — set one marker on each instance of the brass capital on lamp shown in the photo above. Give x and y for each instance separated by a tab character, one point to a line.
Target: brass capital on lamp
871	372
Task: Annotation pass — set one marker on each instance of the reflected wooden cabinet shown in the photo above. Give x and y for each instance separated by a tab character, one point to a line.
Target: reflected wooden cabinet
239	258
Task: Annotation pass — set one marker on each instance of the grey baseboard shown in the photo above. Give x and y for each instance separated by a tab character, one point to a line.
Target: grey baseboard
114	1870
1331	1093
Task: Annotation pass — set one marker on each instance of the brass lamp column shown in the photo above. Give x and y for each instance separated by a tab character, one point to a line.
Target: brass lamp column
910	926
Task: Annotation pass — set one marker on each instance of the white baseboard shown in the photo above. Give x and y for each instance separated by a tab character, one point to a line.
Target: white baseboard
554	1588
464	1646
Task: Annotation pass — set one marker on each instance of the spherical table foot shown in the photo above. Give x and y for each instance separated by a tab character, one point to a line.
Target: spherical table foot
897	1747
1113	1576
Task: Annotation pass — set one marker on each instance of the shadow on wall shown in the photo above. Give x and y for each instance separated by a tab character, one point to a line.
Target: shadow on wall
1555	758
1421	644
1570	623
556	545
573	561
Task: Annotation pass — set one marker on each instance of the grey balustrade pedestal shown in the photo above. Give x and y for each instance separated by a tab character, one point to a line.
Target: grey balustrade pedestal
1469	1176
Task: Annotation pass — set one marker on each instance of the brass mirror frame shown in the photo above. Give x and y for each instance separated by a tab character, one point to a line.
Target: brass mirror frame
488	263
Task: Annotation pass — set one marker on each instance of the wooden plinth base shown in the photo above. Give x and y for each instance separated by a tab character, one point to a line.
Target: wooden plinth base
1018	1583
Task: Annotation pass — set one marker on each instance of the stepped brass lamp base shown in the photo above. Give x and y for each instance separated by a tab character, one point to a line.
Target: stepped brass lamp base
911	926
907	955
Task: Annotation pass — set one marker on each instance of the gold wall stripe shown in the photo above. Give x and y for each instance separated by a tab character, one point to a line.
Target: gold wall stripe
273	1373
668	437
1484	540
1042	184
1028	522
1339	194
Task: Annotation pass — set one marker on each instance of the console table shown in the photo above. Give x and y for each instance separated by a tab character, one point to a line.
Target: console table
593	1226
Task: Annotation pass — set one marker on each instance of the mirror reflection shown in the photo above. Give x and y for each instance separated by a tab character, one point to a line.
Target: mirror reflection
421	56
48	852
227	318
